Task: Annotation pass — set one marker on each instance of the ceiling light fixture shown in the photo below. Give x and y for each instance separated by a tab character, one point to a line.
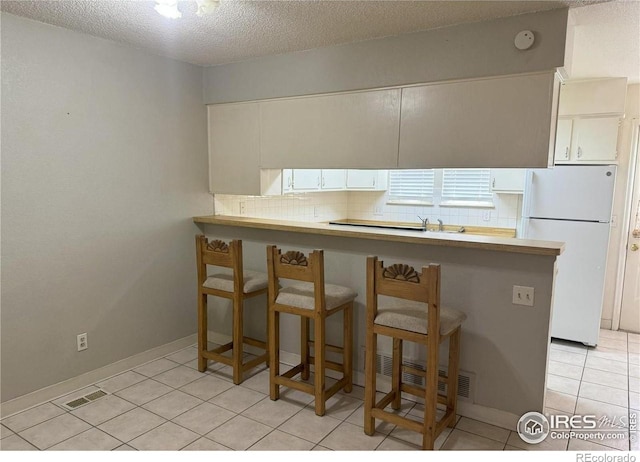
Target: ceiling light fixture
169	8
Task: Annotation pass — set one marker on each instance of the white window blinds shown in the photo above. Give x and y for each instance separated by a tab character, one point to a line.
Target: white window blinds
410	185
467	184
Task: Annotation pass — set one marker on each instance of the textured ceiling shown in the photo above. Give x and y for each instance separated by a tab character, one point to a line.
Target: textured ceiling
606	41
239	30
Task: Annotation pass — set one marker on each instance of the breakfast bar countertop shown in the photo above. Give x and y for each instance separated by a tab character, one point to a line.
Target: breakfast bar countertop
448	238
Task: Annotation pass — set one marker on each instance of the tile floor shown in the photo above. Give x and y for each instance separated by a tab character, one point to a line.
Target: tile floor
167	404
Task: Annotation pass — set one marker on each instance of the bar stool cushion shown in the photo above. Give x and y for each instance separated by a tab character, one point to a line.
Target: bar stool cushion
222	279
412	316
301	295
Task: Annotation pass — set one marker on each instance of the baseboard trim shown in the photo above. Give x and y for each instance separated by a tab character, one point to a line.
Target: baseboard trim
22	403
484	414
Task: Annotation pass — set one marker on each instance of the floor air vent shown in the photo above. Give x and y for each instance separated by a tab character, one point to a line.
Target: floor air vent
86	399
384	363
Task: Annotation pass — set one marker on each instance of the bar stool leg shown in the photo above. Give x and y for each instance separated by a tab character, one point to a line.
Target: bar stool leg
347	338
452	374
319	350
304	347
274	353
237	351
370	381
431	395
396	376
202	332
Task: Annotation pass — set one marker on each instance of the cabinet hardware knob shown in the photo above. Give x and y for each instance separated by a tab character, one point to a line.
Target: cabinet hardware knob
579	152
634	247
566	152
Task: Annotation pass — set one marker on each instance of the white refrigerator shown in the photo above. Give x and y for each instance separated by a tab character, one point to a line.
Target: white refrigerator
573	204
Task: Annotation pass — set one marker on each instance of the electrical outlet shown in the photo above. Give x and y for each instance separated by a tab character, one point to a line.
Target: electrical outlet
523	295
82	342
377	211
243	208
486	215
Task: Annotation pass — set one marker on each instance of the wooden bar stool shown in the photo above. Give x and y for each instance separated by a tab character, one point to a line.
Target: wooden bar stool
232	282
311	299
413	314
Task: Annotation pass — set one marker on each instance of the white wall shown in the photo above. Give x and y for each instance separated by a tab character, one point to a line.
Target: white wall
104	162
464	51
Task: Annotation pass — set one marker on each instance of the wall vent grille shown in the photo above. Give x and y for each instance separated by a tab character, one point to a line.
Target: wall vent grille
384	365
86	399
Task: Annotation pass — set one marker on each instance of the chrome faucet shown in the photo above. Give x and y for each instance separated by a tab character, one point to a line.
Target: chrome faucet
424	222
440	225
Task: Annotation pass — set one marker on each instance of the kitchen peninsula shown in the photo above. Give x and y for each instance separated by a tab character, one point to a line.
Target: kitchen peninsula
504	345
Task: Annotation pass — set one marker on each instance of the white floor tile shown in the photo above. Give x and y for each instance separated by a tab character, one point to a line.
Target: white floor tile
119	382
601	364
483	429
563	384
573	347
166	437
183	356
339	406
131	424
349	437
31	417
560	401
155	367
392	444
143	392
608	354
614	344
581	445
280	441
357	418
15	443
567	357
102	409
634	400
205	444
612	334
239	433
608	379
307	425
4	432
172	404
237	399
54	431
565	370
91	440
206	387
204	418
617	414
271	413
605	394
633	338
460	440
178	376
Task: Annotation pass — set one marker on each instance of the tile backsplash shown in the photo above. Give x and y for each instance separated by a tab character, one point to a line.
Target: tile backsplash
326	206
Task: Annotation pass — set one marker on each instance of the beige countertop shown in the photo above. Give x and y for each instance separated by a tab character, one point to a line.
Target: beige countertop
471	239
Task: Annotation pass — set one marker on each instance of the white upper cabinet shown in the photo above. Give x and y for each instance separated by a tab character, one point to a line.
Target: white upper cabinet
493	122
334	131
588	140
372	180
333	179
306	180
507	180
234	148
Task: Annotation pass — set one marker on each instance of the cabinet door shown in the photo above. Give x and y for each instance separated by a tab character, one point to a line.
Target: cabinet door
494	122
306	179
333	180
234	148
332	131
507	180
362	179
563	140
287	180
596	139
